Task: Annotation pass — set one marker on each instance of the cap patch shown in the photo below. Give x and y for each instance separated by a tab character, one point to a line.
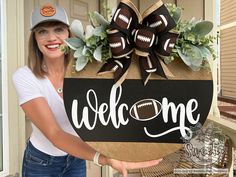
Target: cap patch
47	11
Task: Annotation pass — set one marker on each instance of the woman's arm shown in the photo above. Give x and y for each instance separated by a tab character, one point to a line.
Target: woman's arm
41	115
39	112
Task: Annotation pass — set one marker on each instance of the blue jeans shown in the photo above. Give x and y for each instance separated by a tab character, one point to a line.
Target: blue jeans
40	164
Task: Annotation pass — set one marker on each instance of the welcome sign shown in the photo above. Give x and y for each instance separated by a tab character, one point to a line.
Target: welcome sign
126	108
132	117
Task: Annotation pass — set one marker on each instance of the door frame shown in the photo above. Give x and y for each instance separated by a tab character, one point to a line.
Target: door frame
5	133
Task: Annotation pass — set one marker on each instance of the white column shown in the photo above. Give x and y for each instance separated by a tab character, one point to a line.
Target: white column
210	14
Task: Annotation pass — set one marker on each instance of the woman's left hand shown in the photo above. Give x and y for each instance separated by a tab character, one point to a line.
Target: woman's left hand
123	167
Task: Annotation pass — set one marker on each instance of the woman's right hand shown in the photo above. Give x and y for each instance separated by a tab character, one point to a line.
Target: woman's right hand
123	167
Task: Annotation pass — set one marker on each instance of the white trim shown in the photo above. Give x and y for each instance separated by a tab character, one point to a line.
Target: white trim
210	14
107	171
20	54
218	61
5	125
228	25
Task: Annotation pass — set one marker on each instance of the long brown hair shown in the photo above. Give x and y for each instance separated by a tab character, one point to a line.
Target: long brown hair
35	56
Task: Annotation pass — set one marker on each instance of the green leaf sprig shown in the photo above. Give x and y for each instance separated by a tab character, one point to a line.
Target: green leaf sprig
91	43
194	46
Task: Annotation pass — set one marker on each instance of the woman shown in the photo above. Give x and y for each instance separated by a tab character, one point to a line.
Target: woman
53	149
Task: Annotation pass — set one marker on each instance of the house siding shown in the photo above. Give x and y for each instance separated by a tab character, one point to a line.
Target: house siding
228	48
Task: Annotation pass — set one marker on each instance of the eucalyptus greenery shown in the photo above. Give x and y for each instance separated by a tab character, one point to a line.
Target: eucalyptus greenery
91	43
194	46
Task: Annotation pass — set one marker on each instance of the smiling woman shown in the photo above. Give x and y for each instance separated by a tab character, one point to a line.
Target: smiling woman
39	88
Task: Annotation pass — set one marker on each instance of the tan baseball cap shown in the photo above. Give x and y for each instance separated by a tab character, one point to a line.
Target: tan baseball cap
48	13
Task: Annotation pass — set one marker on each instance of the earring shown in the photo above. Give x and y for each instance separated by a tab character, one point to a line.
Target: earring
44	67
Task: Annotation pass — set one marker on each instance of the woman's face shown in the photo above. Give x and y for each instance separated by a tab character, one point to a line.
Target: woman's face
49	40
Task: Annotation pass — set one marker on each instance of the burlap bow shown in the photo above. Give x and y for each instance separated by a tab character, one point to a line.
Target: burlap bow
149	36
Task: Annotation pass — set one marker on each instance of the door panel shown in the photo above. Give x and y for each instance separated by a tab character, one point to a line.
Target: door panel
79	9
188	12
143	4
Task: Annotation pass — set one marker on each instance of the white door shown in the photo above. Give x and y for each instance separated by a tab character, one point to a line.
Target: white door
76	9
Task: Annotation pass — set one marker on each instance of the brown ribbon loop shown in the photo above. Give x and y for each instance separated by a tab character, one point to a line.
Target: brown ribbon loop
144	39
150	40
166	43
126	17
119	44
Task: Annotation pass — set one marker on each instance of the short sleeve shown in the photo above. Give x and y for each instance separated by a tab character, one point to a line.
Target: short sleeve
26	84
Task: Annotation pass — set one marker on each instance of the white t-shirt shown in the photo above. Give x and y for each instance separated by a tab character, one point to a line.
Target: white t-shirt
29	87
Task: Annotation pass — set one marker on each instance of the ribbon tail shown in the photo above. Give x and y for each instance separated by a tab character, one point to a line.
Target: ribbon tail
119	67
121	73
143	64
166	69
157	62
152	64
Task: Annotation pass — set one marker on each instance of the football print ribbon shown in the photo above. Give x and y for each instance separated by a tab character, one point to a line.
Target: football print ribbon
148	36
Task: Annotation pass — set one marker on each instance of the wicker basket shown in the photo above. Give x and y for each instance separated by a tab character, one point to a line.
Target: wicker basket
179	160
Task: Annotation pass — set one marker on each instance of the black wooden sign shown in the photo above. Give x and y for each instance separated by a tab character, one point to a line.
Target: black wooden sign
162	111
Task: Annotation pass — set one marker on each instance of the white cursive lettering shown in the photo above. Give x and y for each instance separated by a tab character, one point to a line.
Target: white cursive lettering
175	111
99	111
